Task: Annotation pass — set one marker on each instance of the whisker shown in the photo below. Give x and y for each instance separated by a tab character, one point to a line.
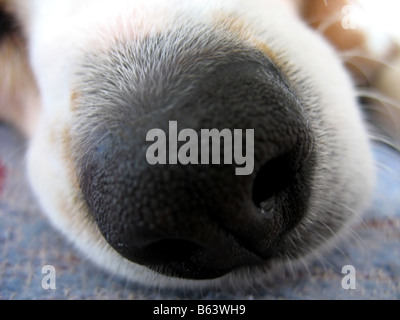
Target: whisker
306	267
377	97
389	110
290	265
346	56
328	22
359	216
332	244
359	69
375	137
386	169
359	240
322	260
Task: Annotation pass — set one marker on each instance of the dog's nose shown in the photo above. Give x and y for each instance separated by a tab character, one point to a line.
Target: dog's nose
199	219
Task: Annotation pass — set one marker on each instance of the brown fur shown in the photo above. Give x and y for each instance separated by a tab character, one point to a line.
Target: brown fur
19	98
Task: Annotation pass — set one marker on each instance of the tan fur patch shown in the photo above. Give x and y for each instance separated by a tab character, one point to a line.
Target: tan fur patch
19	98
75	95
240	29
327	15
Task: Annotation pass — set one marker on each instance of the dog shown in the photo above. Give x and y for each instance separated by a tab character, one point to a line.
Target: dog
86	81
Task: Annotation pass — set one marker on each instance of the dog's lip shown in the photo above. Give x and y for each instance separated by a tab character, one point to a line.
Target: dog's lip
193	268
226	256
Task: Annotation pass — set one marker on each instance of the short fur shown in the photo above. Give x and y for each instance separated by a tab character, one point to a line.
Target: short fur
61	50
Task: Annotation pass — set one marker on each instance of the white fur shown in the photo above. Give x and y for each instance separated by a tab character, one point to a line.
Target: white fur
61	30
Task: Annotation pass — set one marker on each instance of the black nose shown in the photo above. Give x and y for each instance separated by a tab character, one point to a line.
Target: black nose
201	220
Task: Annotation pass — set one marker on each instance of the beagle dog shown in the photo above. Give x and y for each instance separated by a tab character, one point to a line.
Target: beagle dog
87	81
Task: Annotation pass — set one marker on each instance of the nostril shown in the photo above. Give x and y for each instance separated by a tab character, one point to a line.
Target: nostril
273	177
198	221
172	251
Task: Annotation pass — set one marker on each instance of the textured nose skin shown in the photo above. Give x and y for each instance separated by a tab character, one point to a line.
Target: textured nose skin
202	221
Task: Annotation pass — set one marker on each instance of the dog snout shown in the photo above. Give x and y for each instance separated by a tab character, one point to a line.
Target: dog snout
201	219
